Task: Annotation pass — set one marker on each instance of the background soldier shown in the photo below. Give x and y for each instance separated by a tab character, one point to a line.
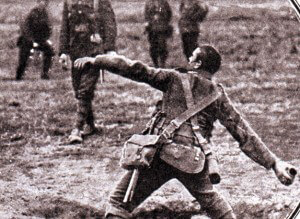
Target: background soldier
206	62
192	13
158	15
35	33
88	28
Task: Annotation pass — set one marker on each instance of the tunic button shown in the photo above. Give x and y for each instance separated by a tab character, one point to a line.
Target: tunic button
79	11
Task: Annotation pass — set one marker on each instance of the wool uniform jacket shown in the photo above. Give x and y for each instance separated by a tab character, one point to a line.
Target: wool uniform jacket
37	26
173	103
192	12
159	14
102	21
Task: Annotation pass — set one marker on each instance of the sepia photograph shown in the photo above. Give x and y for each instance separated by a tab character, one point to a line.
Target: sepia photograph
149	109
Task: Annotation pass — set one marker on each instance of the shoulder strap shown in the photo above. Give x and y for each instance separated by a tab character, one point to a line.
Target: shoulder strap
195	125
192	110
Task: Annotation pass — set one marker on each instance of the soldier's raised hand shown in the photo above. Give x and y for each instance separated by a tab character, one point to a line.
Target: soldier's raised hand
64	60
285	172
81	62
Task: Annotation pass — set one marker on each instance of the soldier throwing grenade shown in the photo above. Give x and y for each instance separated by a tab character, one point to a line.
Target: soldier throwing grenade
205	62
88	28
35	34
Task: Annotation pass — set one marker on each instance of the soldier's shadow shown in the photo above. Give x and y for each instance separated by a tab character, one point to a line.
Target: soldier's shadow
7	79
163	214
13	79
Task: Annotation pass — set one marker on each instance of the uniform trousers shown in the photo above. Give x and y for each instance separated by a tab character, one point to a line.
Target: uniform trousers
24	52
153	178
158	48
84	83
189	43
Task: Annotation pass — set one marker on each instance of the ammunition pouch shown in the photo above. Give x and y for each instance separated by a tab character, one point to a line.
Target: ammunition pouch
138	151
189	159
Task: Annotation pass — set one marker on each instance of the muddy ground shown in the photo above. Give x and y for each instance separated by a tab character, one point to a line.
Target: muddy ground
42	177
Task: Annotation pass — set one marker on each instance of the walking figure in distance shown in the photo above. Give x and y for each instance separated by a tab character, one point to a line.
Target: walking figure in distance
35	34
88	28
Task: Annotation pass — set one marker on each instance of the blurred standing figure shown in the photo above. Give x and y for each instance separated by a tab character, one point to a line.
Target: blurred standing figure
158	15
35	33
88	28
192	13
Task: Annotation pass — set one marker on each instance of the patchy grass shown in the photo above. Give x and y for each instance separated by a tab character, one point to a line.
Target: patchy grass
42	177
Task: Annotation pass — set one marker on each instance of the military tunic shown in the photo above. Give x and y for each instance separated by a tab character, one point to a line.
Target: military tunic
173	104
192	13
36	28
158	14
80	21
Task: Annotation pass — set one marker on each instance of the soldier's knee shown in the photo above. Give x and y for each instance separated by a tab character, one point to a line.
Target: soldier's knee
84	103
84	96
215	205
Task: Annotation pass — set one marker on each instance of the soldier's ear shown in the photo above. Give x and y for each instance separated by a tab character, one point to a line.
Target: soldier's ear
195	64
198	64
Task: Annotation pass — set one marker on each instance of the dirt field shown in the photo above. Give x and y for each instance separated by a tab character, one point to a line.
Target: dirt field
40	177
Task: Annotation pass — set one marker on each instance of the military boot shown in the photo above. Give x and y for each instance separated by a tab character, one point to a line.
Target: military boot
20	73
75	136
91	130
45	76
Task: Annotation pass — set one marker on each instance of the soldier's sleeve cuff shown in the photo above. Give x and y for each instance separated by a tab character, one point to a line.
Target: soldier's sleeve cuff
270	162
258	151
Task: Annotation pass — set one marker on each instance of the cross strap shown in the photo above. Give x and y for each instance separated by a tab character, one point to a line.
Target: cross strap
195	125
192	110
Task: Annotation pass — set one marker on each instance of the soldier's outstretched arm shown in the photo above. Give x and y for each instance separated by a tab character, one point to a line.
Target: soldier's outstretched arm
80	63
132	69
250	143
